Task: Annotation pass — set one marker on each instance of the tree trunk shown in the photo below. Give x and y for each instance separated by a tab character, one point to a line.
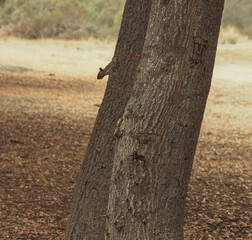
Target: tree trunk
160	100
161	123
92	188
182	136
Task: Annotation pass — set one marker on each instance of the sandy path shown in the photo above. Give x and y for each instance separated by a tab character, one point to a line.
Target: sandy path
83	58
64	58
234	62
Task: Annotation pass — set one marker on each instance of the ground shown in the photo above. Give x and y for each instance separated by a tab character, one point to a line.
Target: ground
48	89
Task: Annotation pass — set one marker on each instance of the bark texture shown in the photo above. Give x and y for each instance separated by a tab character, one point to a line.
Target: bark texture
92	188
180	144
160	100
160	125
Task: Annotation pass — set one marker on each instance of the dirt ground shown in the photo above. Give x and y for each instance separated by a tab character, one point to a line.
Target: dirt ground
48	89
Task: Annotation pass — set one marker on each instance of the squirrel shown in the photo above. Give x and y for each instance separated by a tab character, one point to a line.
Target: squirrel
103	72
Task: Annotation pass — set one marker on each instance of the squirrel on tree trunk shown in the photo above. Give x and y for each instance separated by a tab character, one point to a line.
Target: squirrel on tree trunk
103	72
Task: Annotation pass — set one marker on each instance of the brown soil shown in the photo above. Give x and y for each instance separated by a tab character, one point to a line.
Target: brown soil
48	89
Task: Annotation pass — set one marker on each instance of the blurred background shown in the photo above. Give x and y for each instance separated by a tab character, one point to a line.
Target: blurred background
67	19
64	19
50	53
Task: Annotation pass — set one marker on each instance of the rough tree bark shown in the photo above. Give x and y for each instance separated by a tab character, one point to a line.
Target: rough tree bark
92	188
140	165
184	128
161	109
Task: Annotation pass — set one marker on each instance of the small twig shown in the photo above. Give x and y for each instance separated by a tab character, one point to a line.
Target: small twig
129	55
101	216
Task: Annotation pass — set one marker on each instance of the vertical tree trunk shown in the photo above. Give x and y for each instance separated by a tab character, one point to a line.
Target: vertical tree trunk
134	195
184	128
92	188
160	102
161	123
